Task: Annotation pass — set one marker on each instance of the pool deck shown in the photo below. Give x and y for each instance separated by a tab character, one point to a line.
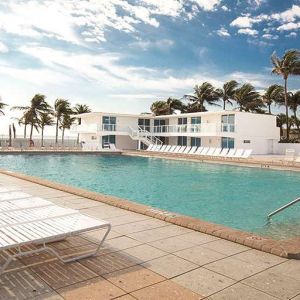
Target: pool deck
145	258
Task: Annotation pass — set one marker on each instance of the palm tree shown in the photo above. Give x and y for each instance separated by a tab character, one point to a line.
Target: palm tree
61	107
273	94
24	120
248	99
173	105
294	102
45	120
204	93
281	121
227	92
65	123
2	105
159	108
288	65
32	113
80	109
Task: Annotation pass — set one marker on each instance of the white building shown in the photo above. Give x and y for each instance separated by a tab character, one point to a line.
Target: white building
230	129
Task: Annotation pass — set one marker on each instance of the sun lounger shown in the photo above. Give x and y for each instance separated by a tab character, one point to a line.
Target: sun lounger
217	152
238	153
177	149
182	148
150	147
193	150
224	152
168	148
187	150
171	150
156	148
247	153
204	151
199	150
231	153
162	149
35	221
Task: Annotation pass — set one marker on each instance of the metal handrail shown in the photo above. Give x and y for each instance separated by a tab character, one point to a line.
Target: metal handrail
282	208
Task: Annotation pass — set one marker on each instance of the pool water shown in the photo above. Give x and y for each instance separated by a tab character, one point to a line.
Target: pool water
238	197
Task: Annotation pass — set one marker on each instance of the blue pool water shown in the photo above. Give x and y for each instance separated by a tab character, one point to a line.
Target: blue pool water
238	197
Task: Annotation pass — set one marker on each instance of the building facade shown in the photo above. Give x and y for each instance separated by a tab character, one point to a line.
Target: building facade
225	129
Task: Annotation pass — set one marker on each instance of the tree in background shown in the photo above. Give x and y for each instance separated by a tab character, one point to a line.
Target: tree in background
226	93
2	106
294	103
273	94
80	109
61	108
159	108
65	123
32	112
286	66
203	94
248	99
46	119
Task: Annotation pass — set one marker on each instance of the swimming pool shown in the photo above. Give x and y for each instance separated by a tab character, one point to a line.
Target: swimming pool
238	197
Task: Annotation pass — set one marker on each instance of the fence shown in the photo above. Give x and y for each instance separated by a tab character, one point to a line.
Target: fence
20	143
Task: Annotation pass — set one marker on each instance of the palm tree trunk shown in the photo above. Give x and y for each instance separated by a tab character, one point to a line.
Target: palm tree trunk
56	133
63	135
42	144
286	110
31	131
25	127
269	105
224	104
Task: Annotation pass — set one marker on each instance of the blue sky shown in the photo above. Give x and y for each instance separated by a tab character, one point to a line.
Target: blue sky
120	55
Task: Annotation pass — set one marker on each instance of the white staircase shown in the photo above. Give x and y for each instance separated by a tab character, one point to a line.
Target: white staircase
144	136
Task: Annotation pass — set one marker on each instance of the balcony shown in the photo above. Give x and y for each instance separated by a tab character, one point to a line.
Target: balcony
91	128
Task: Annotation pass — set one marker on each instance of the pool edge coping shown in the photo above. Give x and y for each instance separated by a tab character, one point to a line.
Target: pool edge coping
289	248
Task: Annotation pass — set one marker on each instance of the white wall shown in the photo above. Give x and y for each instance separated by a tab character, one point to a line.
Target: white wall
124	142
279	148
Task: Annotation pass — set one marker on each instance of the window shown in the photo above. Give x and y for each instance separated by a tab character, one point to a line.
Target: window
228	123
196	124
109	123
93	138
159	125
182	121
108	139
227	142
247	142
195	141
182	141
144	124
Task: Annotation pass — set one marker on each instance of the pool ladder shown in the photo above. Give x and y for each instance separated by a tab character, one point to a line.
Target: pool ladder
278	210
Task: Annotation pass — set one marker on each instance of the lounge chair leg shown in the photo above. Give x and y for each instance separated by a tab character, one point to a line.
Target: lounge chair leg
55	253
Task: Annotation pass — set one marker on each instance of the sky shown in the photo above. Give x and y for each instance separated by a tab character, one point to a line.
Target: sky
121	55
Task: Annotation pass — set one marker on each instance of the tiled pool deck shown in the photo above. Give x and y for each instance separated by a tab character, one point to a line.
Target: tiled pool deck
146	258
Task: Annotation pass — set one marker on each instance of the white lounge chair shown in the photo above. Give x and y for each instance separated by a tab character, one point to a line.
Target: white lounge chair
150	147
162	149
177	149
247	153
204	151
157	148
224	152
238	153
210	151
181	150
231	153
199	150
193	150
113	147
30	221
168	148
217	152
187	150
171	150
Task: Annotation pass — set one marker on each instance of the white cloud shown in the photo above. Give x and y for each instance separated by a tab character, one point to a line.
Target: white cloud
269	36
247	31
256	3
162	45
292	34
225	8
288	15
3	48
223	32
289	26
207	5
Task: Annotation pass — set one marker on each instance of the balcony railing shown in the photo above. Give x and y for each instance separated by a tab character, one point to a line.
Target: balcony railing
227	127
187	128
